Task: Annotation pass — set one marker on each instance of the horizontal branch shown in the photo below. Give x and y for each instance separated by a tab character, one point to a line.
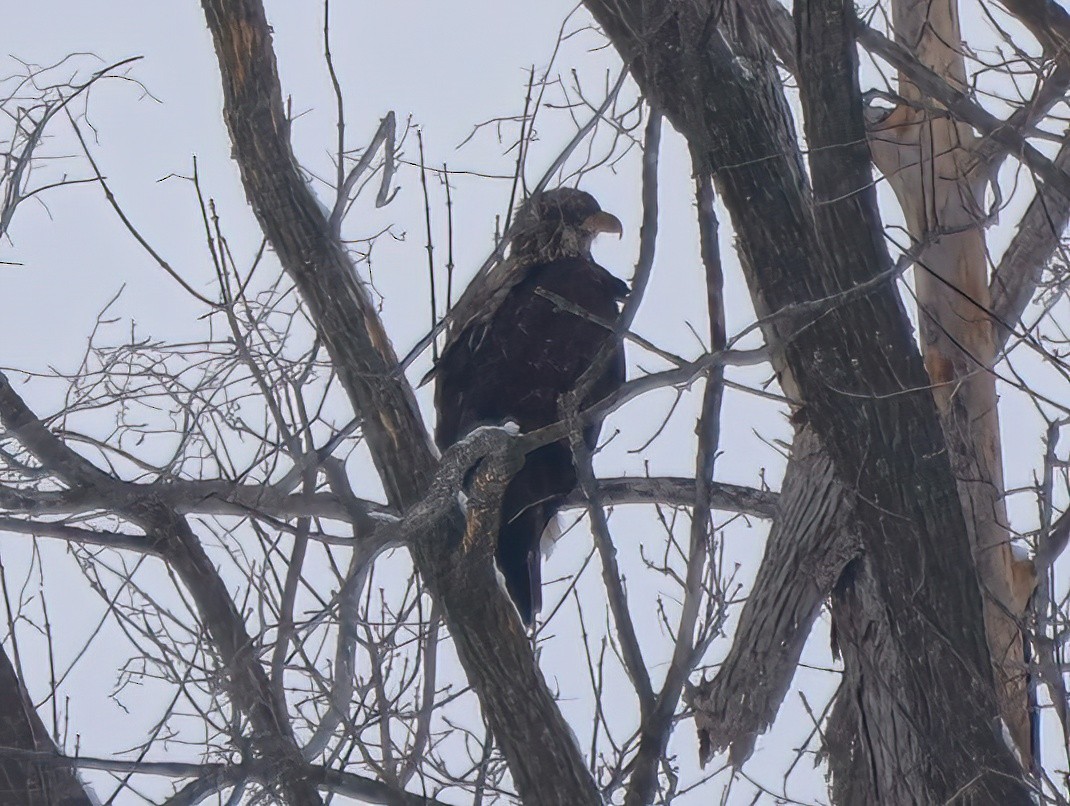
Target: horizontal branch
680	491
223	498
218	776
74	534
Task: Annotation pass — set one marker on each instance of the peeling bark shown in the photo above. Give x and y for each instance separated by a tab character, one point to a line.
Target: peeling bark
211	497
927	157
808	546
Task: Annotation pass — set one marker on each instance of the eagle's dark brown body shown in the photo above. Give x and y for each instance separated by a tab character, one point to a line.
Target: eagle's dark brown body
515	362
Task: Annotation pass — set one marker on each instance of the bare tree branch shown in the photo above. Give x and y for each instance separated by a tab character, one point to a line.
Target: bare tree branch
492	648
1040	231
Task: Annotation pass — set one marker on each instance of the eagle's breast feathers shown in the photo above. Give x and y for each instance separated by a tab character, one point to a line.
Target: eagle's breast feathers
540	330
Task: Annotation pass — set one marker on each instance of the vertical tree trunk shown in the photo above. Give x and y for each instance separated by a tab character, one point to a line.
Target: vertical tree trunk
23	782
926	157
923	716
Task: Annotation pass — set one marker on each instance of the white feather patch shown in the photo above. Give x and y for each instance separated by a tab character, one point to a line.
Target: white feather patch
500	578
550	535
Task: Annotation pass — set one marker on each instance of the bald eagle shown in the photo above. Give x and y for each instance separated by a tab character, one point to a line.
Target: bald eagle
512	352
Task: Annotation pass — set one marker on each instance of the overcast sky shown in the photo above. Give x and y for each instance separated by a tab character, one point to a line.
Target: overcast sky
442	67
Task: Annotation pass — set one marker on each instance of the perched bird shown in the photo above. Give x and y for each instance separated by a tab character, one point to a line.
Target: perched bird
513	351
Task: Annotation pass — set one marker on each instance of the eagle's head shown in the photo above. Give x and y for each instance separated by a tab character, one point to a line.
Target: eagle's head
559	223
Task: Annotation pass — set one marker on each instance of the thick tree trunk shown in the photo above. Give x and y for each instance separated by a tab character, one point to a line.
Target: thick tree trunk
926	156
845	337
909	487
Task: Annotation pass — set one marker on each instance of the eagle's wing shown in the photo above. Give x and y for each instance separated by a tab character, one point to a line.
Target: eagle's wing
482	298
469	316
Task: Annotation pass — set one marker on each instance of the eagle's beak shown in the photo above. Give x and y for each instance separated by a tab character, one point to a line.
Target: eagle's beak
603	222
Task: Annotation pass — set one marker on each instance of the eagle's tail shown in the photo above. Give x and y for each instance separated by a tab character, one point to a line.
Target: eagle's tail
520	559
531	502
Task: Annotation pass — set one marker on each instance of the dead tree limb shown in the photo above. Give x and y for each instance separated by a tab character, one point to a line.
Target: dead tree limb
809	544
928	158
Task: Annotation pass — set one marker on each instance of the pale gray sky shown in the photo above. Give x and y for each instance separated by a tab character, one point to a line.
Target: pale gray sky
445	67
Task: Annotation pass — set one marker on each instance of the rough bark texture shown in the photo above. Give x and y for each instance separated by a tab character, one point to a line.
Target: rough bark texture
22	782
493	650
857	370
812	528
808	546
927	158
912	528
